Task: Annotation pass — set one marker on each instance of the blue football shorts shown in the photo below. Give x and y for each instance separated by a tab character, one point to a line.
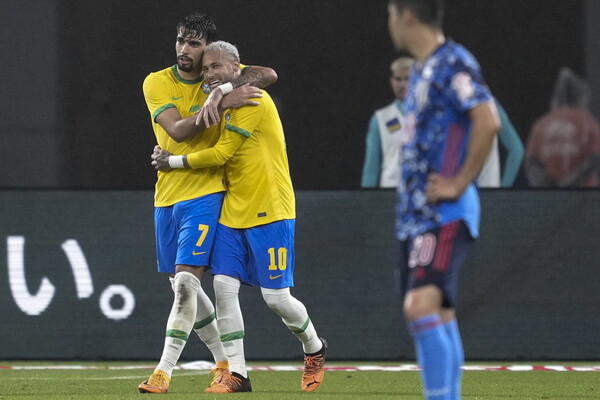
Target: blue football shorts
185	232
433	258
258	256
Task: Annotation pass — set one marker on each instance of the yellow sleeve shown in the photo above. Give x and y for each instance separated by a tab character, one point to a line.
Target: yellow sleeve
244	120
239	125
157	95
218	155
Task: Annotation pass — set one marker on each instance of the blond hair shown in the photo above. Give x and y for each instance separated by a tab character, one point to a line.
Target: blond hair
401	63
229	50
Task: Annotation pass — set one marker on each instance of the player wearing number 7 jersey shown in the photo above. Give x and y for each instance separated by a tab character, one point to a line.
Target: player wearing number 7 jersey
254	243
188	203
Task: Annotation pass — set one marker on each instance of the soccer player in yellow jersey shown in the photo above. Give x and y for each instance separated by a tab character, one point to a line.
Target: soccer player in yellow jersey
255	236
188	203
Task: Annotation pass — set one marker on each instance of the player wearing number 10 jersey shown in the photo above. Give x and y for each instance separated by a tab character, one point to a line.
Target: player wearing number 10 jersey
188	203
255	236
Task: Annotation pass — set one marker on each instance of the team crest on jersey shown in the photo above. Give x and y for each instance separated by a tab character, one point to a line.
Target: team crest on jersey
462	83
205	88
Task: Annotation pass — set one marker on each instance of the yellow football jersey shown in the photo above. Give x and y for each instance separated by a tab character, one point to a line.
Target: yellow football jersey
260	188
165	89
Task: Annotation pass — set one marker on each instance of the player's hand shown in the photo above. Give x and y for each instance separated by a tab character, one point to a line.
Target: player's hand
440	188
241	97
160	159
209	113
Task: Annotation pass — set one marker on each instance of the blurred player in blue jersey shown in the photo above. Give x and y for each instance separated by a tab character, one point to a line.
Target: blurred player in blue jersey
452	121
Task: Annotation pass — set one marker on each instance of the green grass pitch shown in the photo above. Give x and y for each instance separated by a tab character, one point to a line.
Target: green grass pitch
104	382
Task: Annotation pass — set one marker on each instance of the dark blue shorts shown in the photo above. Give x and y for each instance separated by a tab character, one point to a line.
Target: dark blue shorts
433	258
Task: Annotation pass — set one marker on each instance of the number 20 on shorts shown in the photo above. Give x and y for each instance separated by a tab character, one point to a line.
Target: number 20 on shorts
278	260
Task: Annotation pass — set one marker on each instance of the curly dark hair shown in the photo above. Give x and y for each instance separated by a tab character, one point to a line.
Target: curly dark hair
197	26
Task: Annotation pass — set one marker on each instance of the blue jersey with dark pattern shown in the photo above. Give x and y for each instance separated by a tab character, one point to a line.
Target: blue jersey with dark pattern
441	92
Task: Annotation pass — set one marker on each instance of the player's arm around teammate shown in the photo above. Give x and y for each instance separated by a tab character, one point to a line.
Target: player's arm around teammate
187	205
257	219
181	129
189	51
245	85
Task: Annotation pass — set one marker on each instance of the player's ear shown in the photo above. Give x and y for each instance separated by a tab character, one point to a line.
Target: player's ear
408	17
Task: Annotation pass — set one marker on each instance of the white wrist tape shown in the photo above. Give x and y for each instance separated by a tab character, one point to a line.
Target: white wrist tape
226	88
176	161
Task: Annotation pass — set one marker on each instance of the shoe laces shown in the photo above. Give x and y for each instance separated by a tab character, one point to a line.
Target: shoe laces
232	382
312	364
219	375
158	380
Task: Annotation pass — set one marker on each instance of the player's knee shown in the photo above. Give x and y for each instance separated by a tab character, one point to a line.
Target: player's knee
276	298
413	312
186	288
421	302
227	299
185	283
226	286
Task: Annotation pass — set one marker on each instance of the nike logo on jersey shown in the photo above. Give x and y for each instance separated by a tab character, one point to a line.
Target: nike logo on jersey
177	98
271	277
197	253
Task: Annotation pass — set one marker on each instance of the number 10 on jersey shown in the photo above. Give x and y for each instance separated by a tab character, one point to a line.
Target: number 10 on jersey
278	259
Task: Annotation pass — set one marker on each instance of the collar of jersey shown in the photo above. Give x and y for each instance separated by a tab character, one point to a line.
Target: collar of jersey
185	81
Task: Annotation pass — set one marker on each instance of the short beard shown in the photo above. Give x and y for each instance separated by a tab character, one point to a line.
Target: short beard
188	68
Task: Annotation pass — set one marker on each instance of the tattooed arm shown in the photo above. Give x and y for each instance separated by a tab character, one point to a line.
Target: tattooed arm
261	77
245	88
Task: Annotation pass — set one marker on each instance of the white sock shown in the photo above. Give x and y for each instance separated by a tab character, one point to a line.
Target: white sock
206	327
231	322
181	319
294	316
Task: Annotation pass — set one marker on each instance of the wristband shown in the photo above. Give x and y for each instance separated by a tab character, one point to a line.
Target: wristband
176	162
226	88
